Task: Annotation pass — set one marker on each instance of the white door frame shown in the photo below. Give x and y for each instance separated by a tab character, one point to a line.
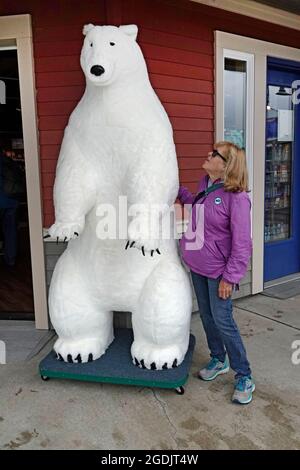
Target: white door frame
261	51
16	30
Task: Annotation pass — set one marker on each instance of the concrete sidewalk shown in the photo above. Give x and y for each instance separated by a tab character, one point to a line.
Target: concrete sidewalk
62	414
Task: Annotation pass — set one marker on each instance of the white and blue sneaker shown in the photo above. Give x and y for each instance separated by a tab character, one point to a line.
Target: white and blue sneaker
243	389
213	369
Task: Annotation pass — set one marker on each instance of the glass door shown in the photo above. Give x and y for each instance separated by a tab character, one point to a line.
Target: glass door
282	208
279	158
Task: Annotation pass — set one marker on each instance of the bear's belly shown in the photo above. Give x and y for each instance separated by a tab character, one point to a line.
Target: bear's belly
116	276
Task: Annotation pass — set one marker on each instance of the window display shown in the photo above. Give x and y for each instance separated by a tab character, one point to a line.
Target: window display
279	159
235	101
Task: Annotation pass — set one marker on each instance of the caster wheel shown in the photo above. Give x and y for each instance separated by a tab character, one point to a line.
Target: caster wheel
179	390
45	378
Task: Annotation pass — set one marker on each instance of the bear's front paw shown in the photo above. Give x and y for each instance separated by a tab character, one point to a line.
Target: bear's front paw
143	233
131	244
65	231
154	357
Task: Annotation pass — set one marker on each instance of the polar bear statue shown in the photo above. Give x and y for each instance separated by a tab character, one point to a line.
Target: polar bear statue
118	142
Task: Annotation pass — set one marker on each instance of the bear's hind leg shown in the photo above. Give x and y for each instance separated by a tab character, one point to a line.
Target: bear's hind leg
84	329
161	322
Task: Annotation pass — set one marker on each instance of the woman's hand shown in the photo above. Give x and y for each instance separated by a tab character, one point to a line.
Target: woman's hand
225	290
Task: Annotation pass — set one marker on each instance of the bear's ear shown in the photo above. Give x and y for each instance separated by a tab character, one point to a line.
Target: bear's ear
87	28
130	29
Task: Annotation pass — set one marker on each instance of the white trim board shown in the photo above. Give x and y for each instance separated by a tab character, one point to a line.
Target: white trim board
261	50
256	10
17	29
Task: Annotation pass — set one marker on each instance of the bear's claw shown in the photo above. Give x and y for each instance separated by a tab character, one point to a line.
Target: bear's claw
78	358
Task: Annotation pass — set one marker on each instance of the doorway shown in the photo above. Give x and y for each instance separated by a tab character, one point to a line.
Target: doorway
282	172
16	290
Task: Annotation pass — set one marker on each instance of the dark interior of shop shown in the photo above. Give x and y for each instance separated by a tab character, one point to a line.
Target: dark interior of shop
16	298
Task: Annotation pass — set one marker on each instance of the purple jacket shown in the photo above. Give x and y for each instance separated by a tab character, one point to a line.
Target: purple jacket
226	245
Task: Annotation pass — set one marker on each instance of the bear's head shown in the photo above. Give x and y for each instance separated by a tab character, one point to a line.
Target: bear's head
110	53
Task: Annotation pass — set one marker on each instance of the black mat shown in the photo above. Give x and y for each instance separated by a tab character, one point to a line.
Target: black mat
283	291
116	366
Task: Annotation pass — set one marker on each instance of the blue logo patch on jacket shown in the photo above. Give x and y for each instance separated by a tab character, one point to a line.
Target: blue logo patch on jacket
218	200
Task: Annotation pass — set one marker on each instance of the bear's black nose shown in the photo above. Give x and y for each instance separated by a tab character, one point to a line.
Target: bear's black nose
97	70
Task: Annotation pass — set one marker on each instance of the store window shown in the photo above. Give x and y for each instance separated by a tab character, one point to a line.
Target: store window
238	102
235	101
279	153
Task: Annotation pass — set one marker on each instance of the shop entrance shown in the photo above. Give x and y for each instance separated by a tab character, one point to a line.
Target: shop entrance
282	171
16	292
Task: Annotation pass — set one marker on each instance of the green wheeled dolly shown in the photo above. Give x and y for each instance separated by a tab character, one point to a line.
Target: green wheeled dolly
116	367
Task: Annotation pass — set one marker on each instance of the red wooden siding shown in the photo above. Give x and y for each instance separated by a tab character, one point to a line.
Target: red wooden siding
177	39
181	71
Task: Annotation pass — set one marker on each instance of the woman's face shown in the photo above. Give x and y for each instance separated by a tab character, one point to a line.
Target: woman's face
215	166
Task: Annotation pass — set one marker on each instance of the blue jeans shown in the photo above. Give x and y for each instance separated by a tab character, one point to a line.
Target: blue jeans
221	330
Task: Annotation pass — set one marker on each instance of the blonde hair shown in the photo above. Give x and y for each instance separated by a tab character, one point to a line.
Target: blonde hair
236	174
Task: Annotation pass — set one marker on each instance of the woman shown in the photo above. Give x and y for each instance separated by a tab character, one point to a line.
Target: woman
218	264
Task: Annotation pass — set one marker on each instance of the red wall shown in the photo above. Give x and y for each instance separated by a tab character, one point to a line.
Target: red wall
177	40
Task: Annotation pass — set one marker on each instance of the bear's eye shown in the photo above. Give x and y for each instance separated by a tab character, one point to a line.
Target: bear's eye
91	44
112	43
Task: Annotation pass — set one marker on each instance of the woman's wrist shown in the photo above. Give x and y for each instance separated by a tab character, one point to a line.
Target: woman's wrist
227	282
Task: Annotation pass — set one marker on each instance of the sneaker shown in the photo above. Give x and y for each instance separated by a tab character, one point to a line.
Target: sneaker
243	389
213	369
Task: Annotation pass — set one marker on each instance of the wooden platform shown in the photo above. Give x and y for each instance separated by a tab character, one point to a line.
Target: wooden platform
116	366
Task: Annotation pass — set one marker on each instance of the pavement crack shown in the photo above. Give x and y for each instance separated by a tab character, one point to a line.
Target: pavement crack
163	406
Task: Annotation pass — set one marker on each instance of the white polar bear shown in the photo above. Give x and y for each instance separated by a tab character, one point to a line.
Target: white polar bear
118	142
